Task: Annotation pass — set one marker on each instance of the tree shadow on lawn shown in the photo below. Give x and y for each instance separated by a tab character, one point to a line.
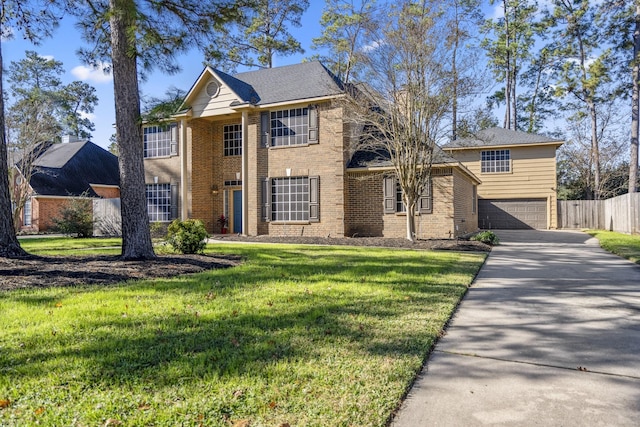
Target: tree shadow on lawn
402	316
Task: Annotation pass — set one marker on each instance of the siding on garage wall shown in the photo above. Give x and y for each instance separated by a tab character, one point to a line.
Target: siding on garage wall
532	176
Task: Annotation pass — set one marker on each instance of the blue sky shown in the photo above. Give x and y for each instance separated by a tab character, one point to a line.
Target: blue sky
66	41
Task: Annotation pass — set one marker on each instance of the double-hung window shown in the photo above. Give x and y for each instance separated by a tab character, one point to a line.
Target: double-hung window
291	199
394	203
495	161
160	140
26	213
232	138
289	127
159	202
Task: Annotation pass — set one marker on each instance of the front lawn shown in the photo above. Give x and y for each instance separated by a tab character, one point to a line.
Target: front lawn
620	244
304	335
68	245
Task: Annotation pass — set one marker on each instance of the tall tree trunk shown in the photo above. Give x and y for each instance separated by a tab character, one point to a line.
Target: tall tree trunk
514	97
9	245
508	71
136	236
454	72
635	99
595	151
454	100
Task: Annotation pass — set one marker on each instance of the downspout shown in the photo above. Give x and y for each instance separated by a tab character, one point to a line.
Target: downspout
244	170
184	209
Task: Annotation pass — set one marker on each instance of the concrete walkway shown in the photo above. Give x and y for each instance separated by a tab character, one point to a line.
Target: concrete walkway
548	335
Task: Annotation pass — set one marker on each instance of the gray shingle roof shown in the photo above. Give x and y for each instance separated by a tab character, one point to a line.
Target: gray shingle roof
282	84
381	158
498	137
69	169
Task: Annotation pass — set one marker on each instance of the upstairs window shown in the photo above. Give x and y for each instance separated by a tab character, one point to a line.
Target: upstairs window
232	138
495	161
160	140
294	126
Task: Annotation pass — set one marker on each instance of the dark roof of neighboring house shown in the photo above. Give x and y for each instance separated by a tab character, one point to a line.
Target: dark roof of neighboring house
69	169
283	84
496	136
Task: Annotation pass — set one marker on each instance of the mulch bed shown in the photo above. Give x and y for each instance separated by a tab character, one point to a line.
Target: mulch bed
382	242
50	271
45	272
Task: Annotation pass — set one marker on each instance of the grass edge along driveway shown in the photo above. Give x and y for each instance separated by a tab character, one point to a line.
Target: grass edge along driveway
297	335
623	245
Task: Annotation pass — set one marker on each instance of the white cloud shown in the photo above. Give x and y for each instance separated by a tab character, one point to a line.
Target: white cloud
93	74
372	46
89	116
47	57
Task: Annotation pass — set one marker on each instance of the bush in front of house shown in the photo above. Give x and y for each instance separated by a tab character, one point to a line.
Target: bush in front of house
187	237
76	217
488	237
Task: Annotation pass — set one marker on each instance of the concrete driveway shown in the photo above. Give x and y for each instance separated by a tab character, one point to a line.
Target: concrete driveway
548	335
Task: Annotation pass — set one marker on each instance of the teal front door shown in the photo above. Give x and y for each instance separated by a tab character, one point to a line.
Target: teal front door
237	211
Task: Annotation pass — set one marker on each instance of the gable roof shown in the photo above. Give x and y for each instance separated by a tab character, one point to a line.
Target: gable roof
497	137
292	82
69	169
267	86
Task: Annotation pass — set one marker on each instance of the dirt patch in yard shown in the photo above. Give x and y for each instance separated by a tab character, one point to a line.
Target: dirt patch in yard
49	271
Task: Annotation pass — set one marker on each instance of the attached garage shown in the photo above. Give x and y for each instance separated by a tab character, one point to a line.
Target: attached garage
509	214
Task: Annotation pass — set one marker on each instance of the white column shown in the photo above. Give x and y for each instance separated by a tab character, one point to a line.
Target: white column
245	171
184	187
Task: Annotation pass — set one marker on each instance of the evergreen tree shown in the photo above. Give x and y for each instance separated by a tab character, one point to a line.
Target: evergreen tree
345	26
509	50
35	20
258	35
145	33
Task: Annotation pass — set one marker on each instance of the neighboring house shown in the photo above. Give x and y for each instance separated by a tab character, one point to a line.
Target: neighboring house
518	173
62	172
272	151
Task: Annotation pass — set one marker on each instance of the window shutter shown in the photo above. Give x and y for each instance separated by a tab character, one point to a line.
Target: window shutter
174	200
266	198
389	191
314	199
174	140
425	203
313	124
265	129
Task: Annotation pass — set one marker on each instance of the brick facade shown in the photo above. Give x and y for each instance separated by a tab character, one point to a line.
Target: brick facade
450	217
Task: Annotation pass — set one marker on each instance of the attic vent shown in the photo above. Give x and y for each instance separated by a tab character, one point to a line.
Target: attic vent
213	88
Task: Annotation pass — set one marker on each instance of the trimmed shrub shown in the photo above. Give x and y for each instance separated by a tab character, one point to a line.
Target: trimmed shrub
187	237
488	237
76	217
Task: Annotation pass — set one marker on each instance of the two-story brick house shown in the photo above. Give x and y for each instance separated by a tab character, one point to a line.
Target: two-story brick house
271	150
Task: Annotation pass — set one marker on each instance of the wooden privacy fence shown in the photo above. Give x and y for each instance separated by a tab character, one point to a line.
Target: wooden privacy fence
620	214
106	217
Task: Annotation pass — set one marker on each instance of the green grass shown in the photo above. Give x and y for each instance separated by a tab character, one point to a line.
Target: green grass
620	244
67	245
310	336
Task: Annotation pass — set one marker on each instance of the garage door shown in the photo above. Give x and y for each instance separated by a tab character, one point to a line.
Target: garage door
512	214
